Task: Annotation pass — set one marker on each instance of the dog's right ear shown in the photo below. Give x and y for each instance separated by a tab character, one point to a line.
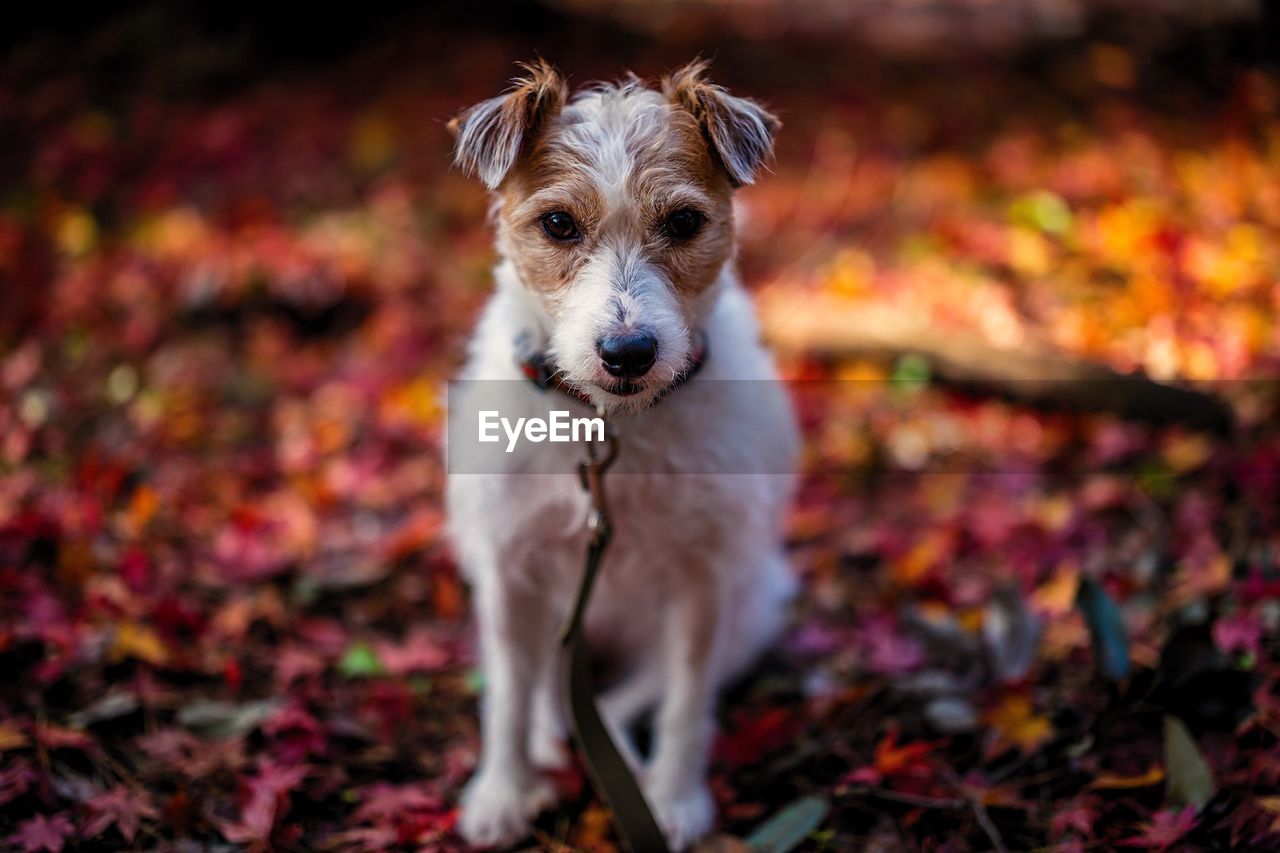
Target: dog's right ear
740	130
490	134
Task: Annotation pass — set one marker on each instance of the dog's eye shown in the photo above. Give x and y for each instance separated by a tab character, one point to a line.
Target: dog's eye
559	226
683	223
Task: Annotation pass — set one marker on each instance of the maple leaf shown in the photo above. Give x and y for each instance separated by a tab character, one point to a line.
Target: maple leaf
11	736
1167	828
382	801
418	653
122	807
42	833
1117	781
16	779
891	761
1238	633
133	640
296	734
887	650
60	737
753	736
1015	724
264	801
1077	817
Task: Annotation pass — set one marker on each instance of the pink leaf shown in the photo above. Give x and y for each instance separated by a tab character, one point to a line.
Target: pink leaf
418	653
1239	632
122	807
383	802
42	833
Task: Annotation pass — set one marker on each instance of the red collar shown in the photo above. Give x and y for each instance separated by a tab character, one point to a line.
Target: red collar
538	370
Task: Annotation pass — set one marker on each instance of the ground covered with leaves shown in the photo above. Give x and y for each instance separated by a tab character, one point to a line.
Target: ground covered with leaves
230	619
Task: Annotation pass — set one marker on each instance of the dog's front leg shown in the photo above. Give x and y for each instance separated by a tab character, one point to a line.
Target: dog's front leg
676	783
514	640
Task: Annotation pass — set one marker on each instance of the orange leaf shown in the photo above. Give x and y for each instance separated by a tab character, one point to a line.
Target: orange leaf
891	758
138	641
12	737
1119	782
142	507
1015	724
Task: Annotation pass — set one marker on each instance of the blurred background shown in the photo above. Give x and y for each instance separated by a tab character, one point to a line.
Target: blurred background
1020	260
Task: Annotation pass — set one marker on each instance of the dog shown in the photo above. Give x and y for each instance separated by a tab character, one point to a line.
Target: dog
615	230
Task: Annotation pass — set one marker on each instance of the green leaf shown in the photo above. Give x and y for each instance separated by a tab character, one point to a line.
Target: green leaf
1188	778
1043	210
1106	629
360	660
911	372
220	720
789	827
475	682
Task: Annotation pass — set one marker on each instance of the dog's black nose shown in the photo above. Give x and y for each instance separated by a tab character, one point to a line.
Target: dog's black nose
629	356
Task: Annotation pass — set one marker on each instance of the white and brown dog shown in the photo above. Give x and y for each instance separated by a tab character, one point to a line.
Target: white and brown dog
615	222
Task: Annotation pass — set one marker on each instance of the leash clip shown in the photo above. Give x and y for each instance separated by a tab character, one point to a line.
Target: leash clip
591	474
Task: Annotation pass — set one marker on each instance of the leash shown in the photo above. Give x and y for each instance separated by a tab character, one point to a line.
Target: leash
609	772
610	775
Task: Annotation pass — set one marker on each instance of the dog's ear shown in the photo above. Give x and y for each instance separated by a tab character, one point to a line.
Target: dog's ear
488	136
740	130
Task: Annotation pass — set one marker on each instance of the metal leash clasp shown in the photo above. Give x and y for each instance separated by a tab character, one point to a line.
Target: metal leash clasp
591	473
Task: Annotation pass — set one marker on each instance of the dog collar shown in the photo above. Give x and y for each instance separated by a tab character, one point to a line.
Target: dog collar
539	370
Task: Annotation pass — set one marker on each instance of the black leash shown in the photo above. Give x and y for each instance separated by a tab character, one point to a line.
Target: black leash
610	775
609	772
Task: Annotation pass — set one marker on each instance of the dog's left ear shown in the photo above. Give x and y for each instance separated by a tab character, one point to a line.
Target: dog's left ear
740	131
489	135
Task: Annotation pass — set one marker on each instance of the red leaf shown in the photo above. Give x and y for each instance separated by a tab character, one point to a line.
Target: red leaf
382	802
122	807
1167	828
755	736
42	832
265	799
15	780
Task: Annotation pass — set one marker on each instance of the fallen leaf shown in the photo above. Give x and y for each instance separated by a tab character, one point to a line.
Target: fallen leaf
138	641
221	720
121	807
789	827
1015	724
360	660
42	833
1011	634
1190	779
1107	630
12	736
1120	782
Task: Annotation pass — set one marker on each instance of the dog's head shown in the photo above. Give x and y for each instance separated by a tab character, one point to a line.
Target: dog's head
615	209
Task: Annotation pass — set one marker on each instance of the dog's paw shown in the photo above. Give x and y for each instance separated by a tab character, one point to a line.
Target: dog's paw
685	815
497	807
547	750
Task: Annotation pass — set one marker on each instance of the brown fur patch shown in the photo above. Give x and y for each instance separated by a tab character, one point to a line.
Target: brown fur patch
491	134
739	130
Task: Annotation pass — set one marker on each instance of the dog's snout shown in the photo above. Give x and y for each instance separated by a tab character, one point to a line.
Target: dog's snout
628	356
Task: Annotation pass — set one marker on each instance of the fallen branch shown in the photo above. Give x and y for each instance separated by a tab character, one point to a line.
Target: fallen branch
1037	375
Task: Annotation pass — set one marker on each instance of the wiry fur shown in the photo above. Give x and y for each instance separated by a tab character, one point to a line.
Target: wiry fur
695	582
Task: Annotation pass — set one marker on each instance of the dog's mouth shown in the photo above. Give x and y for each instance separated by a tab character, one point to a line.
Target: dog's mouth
625	388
